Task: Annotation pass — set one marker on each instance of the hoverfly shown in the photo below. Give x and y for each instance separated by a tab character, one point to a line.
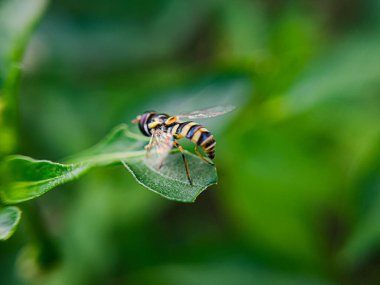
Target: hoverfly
165	131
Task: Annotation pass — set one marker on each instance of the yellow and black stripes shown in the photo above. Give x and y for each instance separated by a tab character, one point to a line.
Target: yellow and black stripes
159	125
196	133
190	130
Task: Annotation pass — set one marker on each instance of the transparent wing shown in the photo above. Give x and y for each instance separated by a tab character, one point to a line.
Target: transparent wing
207	113
159	147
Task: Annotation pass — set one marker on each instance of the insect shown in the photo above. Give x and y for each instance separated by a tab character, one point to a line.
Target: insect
165	131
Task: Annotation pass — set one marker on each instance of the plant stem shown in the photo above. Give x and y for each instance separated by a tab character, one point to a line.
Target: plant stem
9	113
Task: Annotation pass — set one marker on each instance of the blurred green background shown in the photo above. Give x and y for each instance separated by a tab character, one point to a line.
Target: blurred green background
298	199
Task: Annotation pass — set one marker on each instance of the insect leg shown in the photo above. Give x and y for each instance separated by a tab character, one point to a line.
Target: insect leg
201	156
150	144
176	144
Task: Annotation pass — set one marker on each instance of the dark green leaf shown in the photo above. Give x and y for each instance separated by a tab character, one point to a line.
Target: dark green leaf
28	178
9	219
171	181
364	238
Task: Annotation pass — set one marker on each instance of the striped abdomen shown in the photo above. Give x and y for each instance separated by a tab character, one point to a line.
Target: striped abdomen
197	134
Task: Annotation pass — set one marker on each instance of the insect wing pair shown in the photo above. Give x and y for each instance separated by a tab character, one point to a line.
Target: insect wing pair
161	141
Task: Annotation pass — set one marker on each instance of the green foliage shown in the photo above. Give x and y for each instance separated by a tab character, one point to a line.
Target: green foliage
29	178
9	219
297	200
171	180
17	21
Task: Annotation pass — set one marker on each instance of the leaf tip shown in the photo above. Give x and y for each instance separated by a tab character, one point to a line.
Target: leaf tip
9	219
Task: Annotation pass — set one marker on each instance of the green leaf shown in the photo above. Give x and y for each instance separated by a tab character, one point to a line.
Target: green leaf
223	274
9	219
17	21
334	77
171	181
364	238
27	178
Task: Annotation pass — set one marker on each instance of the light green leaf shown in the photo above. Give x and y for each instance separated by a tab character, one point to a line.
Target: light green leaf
28	178
9	219
17	21
223	274
335	77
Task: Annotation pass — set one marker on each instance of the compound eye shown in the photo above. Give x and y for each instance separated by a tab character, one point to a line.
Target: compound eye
171	120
